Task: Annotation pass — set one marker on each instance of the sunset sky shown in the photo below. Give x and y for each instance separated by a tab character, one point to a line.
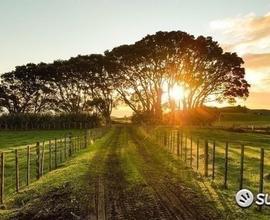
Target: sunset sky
46	30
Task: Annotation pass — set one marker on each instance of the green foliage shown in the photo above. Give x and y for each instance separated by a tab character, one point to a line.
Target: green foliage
138	73
163	60
48	121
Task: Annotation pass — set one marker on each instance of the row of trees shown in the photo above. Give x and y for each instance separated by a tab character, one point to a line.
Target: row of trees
28	121
161	61
136	74
78	85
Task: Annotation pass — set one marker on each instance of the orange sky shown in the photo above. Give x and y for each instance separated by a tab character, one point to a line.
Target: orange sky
48	32
249	36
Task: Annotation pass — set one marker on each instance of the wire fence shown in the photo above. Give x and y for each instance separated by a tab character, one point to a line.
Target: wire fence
23	165
231	166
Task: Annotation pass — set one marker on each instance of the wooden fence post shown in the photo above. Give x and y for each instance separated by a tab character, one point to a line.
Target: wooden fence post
17	170
38	160
174	141
76	144
170	141
94	134
50	155
85	139
28	166
159	136
198	154
261	173
65	147
261	170
206	149
74	140
42	159
70	144
213	160
226	166
181	145
241	167
2	186
165	139
80	142
178	142
60	151
186	149
191	151
55	153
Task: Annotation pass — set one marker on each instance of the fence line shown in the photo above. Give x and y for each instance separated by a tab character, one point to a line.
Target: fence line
230	165
22	165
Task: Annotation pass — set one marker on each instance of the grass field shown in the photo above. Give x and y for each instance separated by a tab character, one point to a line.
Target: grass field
253	143
246	138
123	176
127	170
256	119
55	180
52	154
9	139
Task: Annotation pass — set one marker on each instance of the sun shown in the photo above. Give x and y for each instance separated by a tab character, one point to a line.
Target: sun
177	93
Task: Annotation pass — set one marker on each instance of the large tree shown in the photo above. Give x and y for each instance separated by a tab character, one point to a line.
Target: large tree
70	93
144	69
82	84
23	90
159	62
96	70
140	73
208	74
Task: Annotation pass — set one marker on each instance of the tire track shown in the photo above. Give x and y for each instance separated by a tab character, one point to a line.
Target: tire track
125	200
177	200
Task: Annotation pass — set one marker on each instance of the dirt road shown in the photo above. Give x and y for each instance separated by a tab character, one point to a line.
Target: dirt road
130	177
140	182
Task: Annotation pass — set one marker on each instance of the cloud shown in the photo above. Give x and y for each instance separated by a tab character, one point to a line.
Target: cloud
244	34
249	36
258	71
257	61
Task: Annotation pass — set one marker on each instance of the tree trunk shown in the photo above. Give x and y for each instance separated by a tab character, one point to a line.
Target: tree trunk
108	121
158	108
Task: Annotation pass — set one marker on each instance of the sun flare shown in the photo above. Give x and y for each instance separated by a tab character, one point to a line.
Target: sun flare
177	93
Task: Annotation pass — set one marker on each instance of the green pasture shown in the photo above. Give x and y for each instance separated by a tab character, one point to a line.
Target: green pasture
54	151
255	119
9	139
193	137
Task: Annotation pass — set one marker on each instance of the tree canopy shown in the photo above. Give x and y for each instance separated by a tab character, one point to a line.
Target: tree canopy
138	74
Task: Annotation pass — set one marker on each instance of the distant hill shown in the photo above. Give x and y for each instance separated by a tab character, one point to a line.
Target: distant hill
241	109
